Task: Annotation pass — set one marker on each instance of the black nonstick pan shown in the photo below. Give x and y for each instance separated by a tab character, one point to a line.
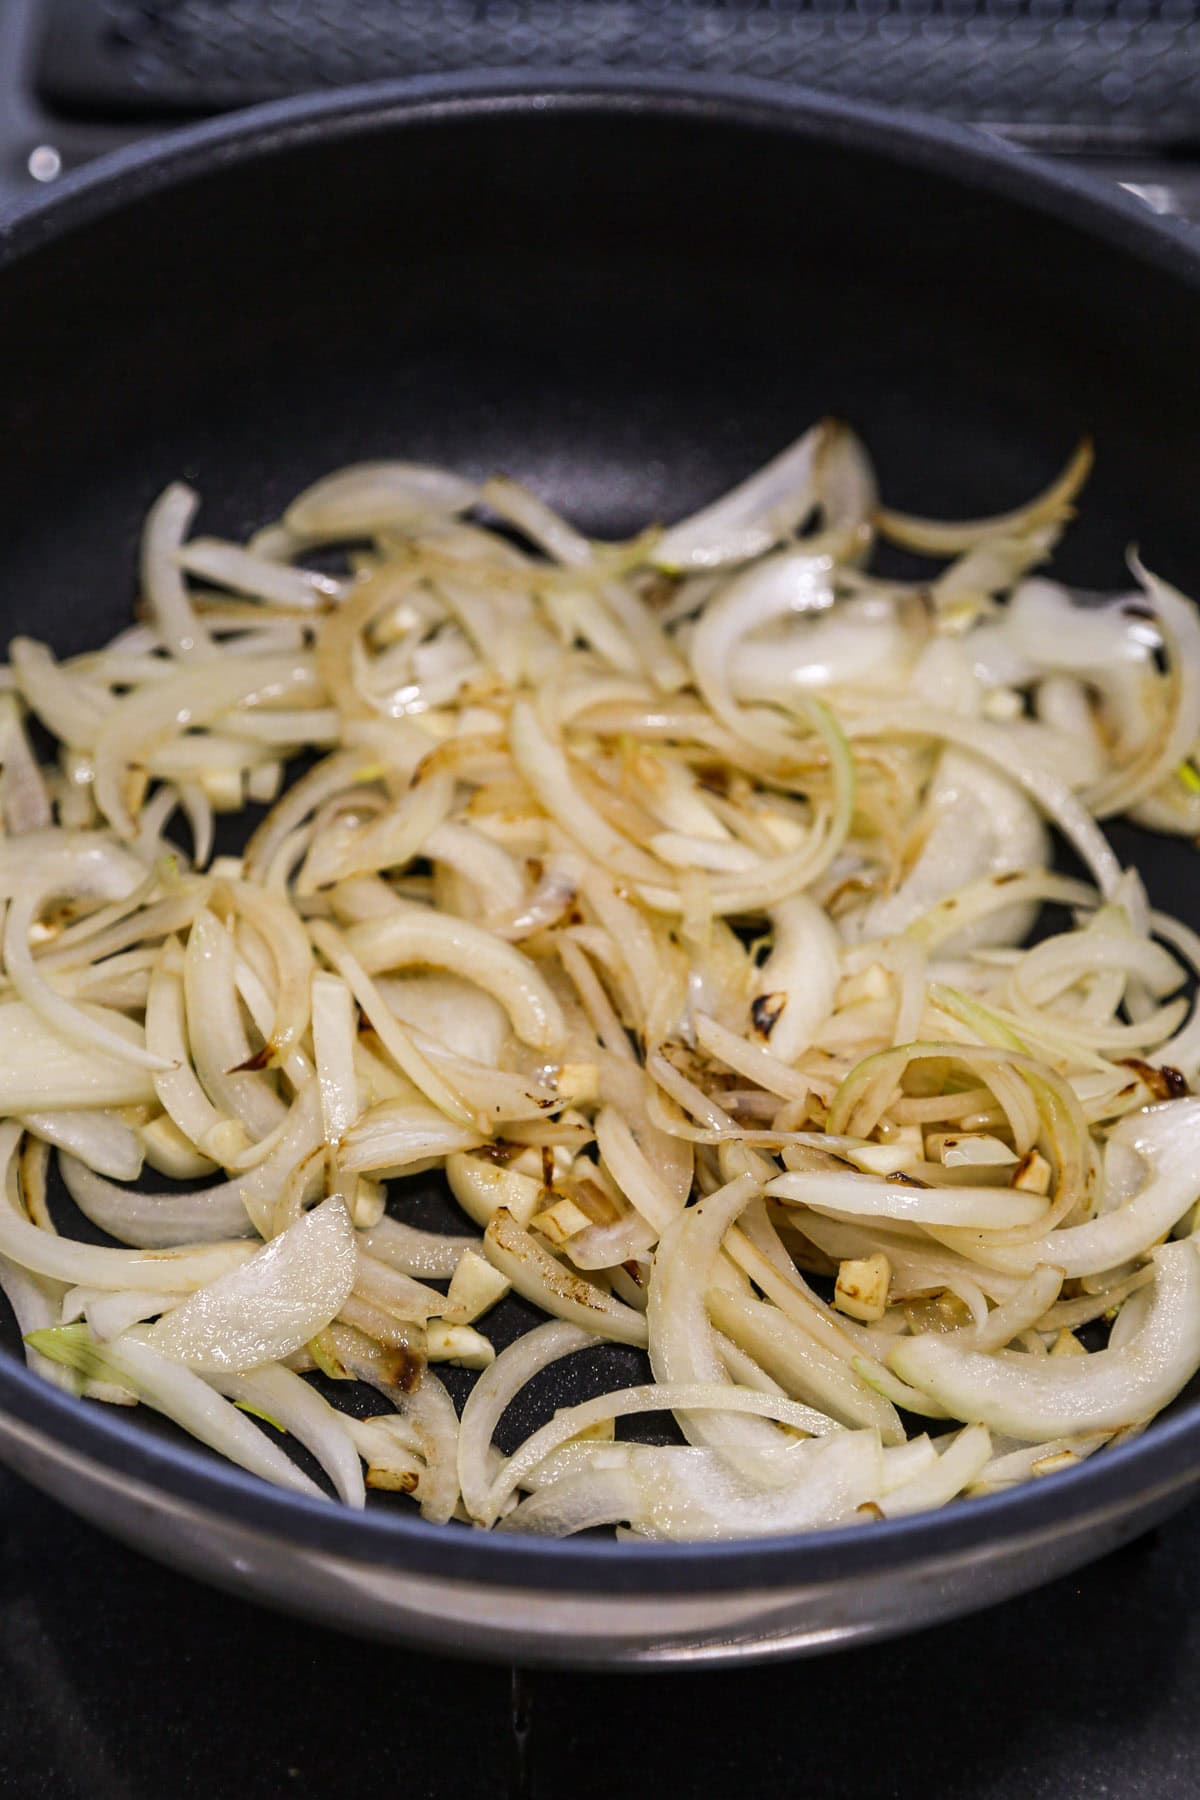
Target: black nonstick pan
626	296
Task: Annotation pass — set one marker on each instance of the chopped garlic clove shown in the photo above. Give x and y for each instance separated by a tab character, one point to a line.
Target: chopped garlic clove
474	1287
862	1287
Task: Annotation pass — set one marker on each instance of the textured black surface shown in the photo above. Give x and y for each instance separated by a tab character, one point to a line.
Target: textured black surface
121	1681
1112	67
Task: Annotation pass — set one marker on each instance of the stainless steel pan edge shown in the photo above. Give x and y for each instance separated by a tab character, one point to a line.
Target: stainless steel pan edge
805	1609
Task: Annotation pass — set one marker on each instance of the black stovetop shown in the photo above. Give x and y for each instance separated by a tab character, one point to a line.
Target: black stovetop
1112	83
121	1681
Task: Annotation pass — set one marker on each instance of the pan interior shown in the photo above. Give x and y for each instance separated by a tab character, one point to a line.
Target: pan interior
625	308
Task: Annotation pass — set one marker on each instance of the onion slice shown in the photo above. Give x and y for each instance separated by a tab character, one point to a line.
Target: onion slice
750	518
273	1304
1037	1399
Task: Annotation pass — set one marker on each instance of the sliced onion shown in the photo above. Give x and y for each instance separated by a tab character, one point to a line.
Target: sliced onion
795	987
35	1303
217	1036
993	1209
498	1385
376	496
1165	1137
934	538
431	938
678	1397
245	572
448	1013
770	837
299	1409
68	707
85	866
1020	1312
409	1301
273	1304
171	611
957	1466
187	1398
396	1041
424	1253
642	1183
750	518
537	1277
183	702
546	769
335	1028
598	1496
697	1494
682	1345
287	944
98	1139
390	841
428	1413
41	1071
397	1133
1038	1399
110	1315
807	1370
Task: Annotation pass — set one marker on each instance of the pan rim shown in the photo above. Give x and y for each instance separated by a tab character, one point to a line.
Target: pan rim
1160	1461
918	141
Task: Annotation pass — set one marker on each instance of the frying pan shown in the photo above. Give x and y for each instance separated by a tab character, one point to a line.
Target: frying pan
625	295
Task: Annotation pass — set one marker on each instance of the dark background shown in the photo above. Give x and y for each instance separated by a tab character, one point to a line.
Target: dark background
122	1681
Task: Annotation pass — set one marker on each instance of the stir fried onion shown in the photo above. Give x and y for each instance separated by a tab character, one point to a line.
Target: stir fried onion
662	933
